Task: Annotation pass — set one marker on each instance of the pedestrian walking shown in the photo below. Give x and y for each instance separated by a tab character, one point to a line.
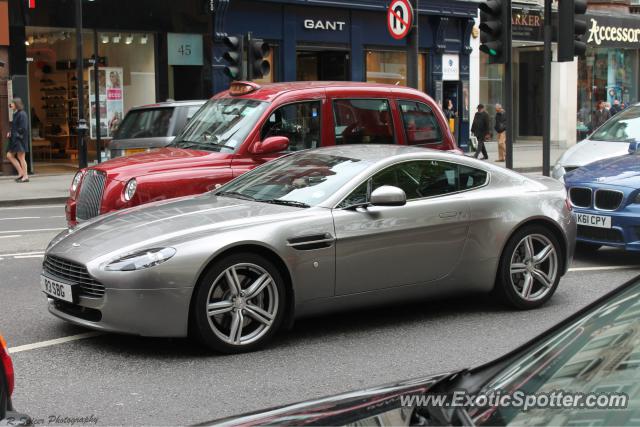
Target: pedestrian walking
481	128
599	116
500	127
18	137
615	108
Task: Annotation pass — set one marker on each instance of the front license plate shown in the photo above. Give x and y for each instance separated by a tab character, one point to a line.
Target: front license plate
599	221
134	151
56	289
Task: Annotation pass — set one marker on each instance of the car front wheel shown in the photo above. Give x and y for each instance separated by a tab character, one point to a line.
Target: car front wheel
530	268
239	303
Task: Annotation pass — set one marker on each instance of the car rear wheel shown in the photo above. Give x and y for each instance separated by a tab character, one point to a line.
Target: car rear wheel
239	303
530	268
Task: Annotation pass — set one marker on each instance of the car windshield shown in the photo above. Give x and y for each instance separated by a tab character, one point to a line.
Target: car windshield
145	123
598	353
622	127
304	179
221	125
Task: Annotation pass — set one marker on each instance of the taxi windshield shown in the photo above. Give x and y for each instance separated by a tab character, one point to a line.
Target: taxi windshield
623	127
221	125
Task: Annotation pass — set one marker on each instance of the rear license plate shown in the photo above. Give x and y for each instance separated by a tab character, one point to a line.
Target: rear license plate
56	289
589	220
134	151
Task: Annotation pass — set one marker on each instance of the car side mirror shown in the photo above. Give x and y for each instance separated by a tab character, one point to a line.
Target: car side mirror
634	147
273	144
388	195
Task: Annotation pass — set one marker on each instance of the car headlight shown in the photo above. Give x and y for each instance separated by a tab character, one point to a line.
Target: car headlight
76	181
130	189
141	260
558	172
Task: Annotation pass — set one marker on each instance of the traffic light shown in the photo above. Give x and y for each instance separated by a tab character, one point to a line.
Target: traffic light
495	37
234	57
258	65
571	27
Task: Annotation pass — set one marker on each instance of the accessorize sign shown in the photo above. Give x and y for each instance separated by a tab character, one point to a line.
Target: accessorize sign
608	31
111	104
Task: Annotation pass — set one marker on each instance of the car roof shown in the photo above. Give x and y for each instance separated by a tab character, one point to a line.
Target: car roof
271	91
196	102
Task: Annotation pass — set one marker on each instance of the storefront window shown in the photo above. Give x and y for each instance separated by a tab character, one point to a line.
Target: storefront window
390	67
491	78
607	75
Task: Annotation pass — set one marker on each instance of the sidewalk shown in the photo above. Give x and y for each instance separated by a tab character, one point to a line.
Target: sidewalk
527	156
41	189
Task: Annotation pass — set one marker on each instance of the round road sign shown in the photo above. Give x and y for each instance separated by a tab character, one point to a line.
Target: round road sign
399	18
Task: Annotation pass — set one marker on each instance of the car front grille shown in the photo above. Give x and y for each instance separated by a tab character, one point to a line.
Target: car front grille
608	200
600	234
90	197
74	273
580	197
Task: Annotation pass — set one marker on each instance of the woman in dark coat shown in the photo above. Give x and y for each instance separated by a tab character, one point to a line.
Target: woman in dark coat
18	138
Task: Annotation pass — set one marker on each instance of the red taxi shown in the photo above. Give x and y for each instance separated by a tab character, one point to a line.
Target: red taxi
248	125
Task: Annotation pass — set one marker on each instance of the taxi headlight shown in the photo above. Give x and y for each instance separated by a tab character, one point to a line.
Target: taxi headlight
141	260
130	189
76	181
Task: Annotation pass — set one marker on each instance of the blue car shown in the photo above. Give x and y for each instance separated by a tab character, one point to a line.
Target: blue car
606	201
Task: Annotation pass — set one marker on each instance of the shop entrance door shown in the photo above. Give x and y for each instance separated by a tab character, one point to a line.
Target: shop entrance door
187	82
453	91
327	65
530	93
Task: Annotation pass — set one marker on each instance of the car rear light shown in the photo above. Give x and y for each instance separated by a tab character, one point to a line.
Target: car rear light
242	88
7	365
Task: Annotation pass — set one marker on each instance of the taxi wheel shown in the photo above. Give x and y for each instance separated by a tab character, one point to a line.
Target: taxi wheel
239	304
530	268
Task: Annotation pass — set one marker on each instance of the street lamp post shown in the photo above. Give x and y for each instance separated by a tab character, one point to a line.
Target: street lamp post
81	124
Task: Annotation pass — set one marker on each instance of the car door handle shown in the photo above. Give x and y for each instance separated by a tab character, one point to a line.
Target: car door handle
448	214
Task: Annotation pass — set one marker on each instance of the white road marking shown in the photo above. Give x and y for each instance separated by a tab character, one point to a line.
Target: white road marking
10	236
33	231
607	267
23	253
20	217
53	342
32	207
28	256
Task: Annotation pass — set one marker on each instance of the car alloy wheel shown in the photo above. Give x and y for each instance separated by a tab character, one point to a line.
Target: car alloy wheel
534	266
242	304
239	303
530	267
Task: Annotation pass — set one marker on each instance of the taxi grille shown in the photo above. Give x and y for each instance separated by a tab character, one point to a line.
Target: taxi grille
580	197
608	200
600	234
73	273
90	197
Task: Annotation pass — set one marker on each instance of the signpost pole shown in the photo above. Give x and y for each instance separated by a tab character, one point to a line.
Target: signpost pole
413	49
508	91
81	123
546	120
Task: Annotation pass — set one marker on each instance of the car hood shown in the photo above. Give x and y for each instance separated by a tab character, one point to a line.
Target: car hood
342	409
159	161
589	151
623	171
174	221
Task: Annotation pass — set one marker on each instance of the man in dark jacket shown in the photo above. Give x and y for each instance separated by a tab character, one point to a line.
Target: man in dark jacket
600	116
615	108
481	128
501	130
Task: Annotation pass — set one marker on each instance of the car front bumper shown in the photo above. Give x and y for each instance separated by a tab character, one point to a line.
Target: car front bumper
146	312
624	232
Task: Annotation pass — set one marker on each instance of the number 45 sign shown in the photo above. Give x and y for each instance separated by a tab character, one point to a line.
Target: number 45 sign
184	49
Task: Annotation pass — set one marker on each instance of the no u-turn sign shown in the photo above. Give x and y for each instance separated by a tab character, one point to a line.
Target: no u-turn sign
399	18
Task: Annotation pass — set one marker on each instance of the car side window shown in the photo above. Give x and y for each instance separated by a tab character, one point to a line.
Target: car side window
420	179
420	123
363	121
300	122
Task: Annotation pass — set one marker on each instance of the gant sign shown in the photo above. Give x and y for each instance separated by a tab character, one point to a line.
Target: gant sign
319	24
613	32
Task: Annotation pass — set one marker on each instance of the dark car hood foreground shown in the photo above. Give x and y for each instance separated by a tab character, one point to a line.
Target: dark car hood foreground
623	170
161	160
337	410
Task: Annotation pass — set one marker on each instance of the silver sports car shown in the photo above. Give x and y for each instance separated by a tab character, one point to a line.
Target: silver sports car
312	232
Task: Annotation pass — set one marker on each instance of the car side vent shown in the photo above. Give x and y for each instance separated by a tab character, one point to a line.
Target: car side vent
311	241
